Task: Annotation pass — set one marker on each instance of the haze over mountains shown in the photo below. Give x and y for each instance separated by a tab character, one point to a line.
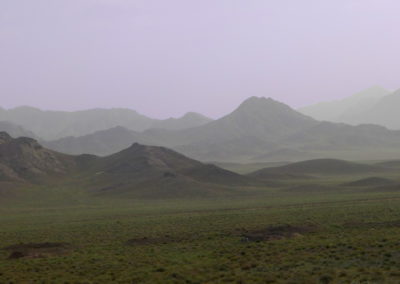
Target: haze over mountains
372	106
15	130
51	125
259	129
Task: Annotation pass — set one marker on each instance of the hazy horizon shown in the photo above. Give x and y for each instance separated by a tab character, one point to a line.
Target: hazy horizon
165	59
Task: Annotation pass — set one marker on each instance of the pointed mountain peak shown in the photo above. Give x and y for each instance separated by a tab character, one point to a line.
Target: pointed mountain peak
262	105
260	101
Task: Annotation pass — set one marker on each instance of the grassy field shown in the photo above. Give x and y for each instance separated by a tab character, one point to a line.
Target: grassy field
272	235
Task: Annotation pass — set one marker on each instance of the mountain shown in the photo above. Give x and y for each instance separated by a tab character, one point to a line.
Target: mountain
260	129
346	109
373	106
257	125
151	171
24	159
145	171
385	112
15	130
52	125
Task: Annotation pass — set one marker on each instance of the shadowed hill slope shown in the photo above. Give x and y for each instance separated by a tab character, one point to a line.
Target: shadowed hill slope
143	171
156	172
390	164
318	166
371	181
25	159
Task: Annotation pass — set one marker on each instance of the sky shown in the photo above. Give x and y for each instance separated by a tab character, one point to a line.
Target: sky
164	58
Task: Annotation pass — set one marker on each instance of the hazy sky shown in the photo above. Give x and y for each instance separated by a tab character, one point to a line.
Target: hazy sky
166	57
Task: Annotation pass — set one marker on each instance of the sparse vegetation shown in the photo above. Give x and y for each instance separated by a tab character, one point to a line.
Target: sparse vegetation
165	218
272	235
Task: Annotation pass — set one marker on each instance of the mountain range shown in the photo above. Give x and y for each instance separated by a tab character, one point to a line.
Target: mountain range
372	106
342	110
259	129
145	171
152	172
52	125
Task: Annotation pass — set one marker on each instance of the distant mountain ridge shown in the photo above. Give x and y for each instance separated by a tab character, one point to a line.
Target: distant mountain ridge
52	125
259	129
15	130
258	123
373	106
342	110
385	112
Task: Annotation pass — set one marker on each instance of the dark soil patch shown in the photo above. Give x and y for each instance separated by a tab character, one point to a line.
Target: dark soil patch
154	240
37	250
277	233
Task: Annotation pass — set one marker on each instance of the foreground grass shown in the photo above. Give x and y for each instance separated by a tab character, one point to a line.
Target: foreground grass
201	241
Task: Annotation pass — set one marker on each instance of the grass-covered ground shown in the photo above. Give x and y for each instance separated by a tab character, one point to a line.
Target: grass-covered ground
349	235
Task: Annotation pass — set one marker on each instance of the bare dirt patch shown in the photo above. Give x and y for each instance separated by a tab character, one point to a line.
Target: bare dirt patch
37	250
277	233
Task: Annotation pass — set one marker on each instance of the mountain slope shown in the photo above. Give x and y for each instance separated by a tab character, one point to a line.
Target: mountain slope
347	109
141	171
155	172
385	112
52	125
24	159
101	143
318	166
15	130
256	125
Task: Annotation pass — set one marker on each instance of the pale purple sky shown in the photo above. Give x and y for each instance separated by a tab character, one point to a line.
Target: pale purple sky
165	57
